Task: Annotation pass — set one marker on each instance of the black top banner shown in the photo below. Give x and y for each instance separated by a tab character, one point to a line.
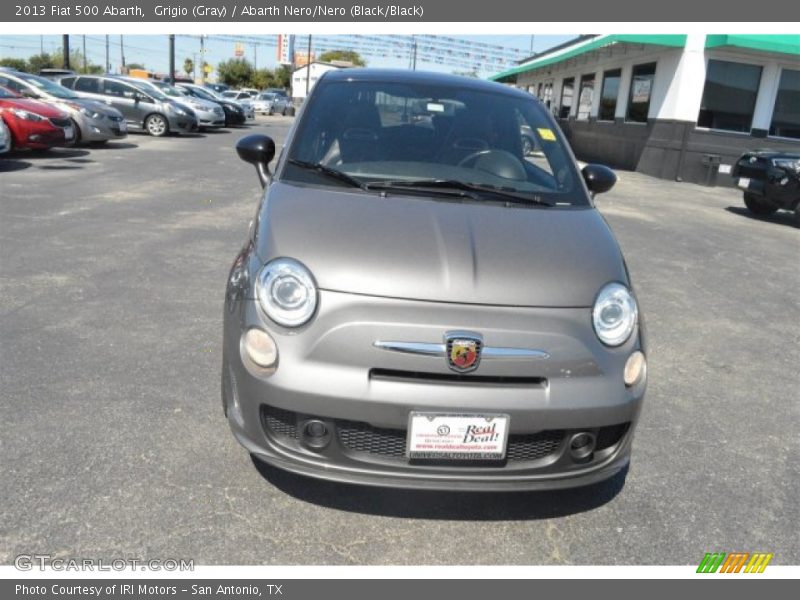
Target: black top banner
409	11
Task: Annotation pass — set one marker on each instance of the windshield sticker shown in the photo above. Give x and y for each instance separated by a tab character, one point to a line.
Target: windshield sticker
547	134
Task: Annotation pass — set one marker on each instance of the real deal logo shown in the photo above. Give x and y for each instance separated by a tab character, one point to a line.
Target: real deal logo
481	433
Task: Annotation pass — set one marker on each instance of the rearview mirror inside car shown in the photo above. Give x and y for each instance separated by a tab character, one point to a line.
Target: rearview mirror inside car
258	150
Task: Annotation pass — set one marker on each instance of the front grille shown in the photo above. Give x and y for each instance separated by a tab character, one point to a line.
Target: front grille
609	436
391	443
424	376
279	421
61	122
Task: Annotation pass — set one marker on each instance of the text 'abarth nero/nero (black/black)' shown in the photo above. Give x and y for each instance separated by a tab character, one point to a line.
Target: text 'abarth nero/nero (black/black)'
427	296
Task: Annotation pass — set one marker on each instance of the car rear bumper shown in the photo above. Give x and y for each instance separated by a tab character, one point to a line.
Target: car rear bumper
331	372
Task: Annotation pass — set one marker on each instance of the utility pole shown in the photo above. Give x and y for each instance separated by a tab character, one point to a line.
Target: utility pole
255	56
308	66
121	53
84	54
202	61
41	44
194	67
172	59
65	51
414	62
108	64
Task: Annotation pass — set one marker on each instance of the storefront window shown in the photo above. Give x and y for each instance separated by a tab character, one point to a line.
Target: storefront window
729	96
567	93
585	96
641	90
786	116
609	94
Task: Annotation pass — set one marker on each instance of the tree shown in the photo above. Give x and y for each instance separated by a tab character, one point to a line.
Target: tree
262	79
20	64
37	62
283	77
235	72
188	66
350	56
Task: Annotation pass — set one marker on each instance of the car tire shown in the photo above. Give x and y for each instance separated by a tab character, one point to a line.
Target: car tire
527	146
225	384
797	215
77	129
156	125
284	111
758	206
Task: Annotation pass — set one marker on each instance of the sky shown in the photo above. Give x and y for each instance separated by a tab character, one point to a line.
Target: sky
152	50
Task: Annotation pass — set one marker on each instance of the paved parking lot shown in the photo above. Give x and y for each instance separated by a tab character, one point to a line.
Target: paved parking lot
112	441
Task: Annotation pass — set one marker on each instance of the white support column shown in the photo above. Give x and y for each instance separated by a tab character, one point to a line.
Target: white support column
765	101
681	101
598	85
624	90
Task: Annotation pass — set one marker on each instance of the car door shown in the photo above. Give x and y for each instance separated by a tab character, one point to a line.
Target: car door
123	97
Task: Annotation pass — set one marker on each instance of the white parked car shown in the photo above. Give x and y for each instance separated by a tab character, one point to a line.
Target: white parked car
5	138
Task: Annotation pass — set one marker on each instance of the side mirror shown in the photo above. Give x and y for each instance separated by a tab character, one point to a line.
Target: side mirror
598	178
258	150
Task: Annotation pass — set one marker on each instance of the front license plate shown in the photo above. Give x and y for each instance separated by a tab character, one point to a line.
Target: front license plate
123	126
437	436
744	182
68	133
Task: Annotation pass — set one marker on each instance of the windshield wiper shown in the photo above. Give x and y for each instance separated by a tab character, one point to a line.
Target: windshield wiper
328	171
474	189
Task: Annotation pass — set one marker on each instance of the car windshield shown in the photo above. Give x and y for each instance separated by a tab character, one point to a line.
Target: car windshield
200	92
170	90
266	96
392	137
48	87
150	90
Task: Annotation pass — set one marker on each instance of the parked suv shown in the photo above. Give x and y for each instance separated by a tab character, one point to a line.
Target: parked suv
770	181
149	111
95	122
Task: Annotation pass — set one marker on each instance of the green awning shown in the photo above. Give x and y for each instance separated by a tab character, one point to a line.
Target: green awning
782	44
668	40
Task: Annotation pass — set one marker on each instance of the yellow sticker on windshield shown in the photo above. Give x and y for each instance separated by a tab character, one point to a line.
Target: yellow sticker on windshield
547	134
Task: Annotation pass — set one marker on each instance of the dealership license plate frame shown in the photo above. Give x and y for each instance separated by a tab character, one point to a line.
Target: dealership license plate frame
430	421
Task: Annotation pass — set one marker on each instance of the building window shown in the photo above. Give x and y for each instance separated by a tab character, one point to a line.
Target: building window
547	94
729	96
567	92
608	95
786	116
585	96
641	90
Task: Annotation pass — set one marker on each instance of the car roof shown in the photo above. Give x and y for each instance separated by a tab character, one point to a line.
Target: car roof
425	77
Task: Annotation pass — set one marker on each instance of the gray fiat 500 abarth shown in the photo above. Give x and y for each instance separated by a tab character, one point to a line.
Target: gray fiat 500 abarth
423	301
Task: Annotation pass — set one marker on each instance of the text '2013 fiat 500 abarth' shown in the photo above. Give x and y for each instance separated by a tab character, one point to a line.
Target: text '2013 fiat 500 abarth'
422	303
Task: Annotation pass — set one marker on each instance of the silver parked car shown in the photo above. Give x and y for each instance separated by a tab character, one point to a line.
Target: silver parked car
149	111
95	122
243	99
419	304
269	103
209	114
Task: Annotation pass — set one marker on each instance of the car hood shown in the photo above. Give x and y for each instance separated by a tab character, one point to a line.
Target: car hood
424	249
93	105
35	106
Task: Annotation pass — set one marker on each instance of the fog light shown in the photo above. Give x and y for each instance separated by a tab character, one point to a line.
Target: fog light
581	446
634	369
259	347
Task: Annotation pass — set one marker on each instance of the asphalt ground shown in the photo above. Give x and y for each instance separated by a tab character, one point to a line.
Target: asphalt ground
113	444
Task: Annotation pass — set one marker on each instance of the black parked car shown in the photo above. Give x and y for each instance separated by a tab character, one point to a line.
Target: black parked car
770	181
234	114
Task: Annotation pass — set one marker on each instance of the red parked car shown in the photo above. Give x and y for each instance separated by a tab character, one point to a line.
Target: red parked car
33	124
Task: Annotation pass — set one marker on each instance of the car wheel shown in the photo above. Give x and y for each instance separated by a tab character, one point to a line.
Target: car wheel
527	146
77	130
758	206
797	215
284	111
156	125
225	384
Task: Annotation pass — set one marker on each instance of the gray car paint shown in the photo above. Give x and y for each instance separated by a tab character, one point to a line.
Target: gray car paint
410	269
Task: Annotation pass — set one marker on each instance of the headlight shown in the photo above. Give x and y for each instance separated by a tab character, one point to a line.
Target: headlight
286	292
614	315
89	113
27	115
176	110
791	164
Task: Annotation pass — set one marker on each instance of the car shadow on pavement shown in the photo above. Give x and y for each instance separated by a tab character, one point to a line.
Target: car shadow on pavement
54	153
112	146
8	166
424	504
782	217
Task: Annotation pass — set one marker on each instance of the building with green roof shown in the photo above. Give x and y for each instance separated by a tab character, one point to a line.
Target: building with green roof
670	105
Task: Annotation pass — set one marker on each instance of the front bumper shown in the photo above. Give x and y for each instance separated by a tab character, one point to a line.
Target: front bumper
100	129
182	124
209	119
332	372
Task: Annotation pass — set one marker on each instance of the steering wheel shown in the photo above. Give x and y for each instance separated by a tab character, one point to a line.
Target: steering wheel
497	162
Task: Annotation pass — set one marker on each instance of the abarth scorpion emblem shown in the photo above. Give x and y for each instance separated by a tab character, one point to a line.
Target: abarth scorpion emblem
463	351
